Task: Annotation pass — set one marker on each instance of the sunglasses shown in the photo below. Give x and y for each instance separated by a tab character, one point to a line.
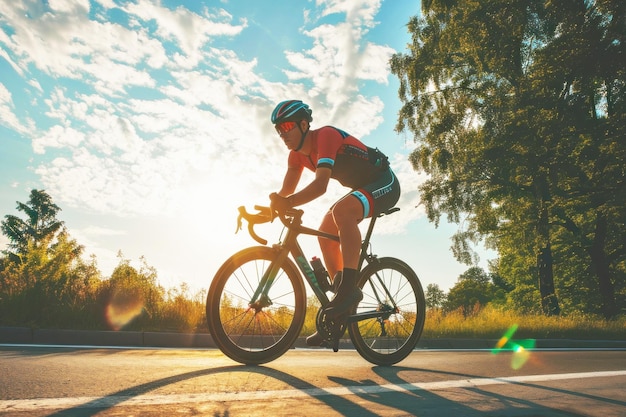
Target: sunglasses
285	127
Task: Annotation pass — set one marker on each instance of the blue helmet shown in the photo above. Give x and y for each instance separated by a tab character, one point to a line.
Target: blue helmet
291	110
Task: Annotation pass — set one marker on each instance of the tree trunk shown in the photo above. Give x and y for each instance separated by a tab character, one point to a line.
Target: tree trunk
549	300
600	265
545	272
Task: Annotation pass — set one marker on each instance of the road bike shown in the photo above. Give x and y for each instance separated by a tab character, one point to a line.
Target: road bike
256	305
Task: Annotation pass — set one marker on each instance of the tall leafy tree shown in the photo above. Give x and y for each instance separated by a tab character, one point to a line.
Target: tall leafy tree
39	226
518	112
592	106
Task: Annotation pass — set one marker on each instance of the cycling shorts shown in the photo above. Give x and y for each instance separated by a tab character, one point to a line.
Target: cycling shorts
379	195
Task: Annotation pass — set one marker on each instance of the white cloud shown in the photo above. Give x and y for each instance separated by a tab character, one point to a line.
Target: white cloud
107	4
3	54
36	85
7	116
339	60
360	11
63	42
114	169
197	125
58	137
373	63
66	6
188	30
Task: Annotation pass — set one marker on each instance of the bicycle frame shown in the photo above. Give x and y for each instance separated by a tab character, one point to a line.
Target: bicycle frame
290	245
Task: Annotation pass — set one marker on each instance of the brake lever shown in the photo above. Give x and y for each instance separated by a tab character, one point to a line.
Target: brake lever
238	225
239	220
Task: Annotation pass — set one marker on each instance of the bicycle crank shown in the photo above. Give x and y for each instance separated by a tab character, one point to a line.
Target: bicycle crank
330	328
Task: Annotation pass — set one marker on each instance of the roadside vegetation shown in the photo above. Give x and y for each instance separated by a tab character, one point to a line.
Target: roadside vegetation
492	323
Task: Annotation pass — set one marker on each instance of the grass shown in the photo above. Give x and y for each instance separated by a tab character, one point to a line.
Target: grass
180	314
492	323
486	323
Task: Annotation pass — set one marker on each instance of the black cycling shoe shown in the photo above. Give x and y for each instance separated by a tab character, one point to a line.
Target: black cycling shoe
315	340
344	301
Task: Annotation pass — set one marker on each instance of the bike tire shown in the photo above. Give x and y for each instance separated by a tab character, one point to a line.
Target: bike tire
250	335
386	341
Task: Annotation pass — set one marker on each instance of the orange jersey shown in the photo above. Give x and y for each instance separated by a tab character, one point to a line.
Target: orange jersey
353	164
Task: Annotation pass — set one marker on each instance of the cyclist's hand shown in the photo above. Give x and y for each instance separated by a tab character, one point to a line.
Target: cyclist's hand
279	204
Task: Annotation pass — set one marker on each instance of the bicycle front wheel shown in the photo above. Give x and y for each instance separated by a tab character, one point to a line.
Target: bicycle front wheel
390	287
261	331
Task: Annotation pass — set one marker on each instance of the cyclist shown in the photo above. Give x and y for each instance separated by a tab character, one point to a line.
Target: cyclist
333	153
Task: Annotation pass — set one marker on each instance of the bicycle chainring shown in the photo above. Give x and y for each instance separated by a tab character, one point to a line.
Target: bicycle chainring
331	328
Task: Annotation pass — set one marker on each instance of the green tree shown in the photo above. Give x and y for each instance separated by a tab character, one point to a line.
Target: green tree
435	296
51	286
583	86
473	290
521	142
44	281
40	225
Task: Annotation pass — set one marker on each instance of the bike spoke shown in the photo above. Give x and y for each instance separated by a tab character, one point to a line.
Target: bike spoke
391	312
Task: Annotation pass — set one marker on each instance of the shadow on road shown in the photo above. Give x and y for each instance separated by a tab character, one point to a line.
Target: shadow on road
414	402
435	405
96	406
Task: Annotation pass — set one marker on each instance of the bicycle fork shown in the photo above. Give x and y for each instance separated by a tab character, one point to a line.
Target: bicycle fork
260	299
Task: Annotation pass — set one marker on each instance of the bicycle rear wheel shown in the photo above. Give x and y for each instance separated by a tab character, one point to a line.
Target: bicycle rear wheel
260	332
389	285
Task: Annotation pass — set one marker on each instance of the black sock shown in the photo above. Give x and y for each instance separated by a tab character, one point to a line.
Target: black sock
349	278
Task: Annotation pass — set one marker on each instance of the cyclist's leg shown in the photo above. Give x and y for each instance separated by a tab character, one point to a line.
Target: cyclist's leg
380	195
342	219
331	249
347	213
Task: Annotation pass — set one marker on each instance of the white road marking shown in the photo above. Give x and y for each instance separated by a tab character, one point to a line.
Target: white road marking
151	400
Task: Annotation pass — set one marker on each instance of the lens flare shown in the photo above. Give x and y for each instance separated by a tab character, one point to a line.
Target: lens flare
521	348
504	340
122	309
520	357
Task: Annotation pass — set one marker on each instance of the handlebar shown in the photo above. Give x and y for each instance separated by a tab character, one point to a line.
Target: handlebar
290	218
265	215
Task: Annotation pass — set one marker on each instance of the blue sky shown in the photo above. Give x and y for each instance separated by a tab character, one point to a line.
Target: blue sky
148	121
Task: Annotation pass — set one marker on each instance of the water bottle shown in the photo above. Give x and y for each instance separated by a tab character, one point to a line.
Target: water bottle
320	273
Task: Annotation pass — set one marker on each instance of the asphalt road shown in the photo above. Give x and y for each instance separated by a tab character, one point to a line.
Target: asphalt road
69	381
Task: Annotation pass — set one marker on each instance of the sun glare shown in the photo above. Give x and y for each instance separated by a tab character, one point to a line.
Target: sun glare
122	309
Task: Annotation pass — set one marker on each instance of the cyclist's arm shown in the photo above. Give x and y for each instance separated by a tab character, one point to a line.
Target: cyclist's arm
316	188
290	182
